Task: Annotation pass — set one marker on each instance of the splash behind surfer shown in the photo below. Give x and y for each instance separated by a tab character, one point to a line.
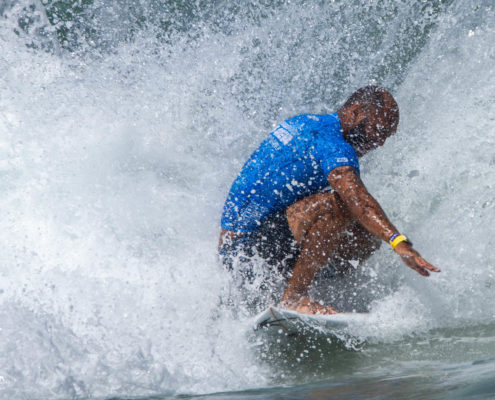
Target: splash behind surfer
299	202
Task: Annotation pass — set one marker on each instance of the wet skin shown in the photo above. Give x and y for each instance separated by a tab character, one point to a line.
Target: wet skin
320	225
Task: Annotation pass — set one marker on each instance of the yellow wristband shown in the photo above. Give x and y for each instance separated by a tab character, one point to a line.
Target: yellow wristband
394	241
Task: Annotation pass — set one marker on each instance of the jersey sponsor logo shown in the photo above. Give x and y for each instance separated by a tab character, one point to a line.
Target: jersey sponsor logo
283	135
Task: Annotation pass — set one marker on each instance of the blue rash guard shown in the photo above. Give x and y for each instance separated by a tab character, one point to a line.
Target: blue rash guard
291	163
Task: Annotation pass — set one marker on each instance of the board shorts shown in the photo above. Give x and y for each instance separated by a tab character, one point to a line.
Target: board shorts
270	249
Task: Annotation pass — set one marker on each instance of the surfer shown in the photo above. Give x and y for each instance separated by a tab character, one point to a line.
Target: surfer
299	202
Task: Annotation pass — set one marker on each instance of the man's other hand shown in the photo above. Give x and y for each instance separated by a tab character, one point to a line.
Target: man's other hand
414	260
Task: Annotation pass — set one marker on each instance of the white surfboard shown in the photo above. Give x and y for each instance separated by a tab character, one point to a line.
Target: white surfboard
292	322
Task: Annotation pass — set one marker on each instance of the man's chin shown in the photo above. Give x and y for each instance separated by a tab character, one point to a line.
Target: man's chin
360	152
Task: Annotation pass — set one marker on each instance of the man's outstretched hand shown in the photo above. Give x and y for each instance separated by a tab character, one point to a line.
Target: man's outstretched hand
414	260
306	306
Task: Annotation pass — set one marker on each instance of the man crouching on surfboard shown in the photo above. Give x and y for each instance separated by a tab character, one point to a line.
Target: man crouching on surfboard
300	204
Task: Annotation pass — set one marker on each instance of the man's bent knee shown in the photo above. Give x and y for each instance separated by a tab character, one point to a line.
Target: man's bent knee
303	214
322	224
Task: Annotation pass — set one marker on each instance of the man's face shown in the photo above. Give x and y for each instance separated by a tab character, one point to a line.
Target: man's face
372	131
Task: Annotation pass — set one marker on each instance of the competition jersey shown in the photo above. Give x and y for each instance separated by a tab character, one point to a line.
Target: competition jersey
291	163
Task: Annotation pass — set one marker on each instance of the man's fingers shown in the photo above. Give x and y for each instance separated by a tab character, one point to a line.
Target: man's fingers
419	269
427	265
423	267
419	264
432	268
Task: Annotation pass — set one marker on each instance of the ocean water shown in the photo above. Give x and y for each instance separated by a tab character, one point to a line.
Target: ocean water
122	126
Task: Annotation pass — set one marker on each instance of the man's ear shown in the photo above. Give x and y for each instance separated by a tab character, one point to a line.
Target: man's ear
357	114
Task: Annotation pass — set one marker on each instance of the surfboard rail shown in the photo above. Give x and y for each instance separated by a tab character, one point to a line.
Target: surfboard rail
293	322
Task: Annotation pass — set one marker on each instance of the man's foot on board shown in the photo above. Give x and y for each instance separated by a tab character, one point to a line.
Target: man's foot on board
306	306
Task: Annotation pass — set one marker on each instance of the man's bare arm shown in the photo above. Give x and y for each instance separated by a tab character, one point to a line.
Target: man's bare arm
365	209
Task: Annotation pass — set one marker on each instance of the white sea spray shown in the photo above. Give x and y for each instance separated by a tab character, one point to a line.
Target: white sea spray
115	161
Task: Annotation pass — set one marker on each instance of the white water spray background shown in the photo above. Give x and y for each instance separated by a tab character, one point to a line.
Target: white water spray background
114	170
438	175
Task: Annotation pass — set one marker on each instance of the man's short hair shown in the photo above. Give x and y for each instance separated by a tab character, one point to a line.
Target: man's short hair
374	99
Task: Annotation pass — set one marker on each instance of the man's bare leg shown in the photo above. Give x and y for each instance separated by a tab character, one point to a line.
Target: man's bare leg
326	231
